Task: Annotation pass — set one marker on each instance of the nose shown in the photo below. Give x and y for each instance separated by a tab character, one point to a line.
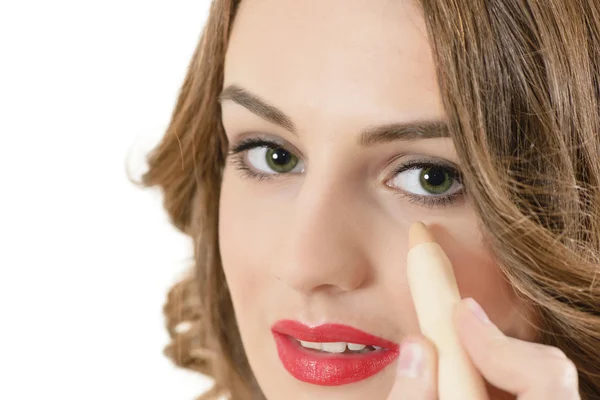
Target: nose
322	247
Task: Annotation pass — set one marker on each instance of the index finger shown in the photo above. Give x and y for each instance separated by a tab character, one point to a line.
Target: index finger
435	294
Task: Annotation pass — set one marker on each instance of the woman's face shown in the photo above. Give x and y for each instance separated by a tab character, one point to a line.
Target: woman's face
334	102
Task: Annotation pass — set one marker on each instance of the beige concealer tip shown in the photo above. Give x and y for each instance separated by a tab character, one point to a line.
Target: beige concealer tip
418	233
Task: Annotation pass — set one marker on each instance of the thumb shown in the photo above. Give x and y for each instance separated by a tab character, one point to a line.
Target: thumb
416	374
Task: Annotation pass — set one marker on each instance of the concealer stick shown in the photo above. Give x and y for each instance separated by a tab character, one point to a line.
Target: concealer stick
435	295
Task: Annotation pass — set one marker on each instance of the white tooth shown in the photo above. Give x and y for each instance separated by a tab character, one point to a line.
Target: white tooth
377	348
356	347
335	347
311	345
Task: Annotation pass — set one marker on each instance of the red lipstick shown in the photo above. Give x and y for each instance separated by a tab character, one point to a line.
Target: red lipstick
330	369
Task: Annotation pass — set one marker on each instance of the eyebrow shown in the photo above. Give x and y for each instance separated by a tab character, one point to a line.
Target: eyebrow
406	131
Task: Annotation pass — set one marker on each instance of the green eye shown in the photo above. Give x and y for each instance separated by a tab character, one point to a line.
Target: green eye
281	160
427	183
436	180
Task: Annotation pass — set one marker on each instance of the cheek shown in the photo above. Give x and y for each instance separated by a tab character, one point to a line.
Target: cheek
244	252
479	276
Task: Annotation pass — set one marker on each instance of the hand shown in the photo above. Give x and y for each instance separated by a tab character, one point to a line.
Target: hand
416	377
530	371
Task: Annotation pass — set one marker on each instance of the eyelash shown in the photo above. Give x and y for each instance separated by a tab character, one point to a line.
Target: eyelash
236	157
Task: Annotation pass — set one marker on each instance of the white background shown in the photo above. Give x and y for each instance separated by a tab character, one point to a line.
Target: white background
85	257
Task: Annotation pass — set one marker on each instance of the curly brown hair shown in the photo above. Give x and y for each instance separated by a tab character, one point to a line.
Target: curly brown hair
520	81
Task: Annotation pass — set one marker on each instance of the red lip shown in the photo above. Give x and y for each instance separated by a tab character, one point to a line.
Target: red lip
328	369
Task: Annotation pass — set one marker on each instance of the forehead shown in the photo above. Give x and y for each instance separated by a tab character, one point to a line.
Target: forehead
328	59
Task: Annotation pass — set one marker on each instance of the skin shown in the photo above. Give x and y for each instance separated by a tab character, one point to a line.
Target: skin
329	243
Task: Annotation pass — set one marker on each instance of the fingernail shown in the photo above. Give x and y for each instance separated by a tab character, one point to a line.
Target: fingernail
477	311
412	360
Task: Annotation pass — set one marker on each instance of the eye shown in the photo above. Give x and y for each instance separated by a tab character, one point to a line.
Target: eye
260	159
427	179
426	183
273	160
